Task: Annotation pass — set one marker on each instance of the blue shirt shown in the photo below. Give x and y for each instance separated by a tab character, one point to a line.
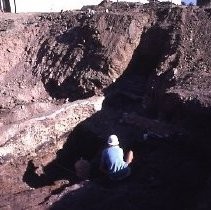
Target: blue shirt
112	159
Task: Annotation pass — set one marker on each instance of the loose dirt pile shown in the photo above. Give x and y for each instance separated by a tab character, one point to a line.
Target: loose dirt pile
70	79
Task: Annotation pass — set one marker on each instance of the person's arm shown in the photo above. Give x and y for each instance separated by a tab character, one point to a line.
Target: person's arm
129	157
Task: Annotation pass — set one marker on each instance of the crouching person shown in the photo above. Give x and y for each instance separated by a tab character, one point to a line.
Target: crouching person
112	160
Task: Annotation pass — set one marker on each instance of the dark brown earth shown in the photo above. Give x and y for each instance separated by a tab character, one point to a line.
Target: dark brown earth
68	80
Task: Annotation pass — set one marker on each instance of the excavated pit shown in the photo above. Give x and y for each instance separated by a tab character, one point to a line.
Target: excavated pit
142	59
172	173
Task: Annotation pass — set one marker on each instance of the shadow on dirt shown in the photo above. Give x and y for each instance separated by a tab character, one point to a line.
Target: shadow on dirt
168	173
80	143
165	175
83	52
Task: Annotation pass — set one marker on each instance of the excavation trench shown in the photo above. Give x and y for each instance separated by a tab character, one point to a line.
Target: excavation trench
171	165
166	170
126	94
169	170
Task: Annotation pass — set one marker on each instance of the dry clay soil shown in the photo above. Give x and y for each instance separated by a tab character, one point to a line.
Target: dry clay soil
70	79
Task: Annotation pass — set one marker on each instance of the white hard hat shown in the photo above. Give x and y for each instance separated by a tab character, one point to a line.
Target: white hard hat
113	140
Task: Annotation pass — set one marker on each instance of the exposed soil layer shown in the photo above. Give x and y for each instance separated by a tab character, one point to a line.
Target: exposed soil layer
68	80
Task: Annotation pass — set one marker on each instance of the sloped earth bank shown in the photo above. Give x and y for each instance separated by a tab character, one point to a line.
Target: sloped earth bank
70	79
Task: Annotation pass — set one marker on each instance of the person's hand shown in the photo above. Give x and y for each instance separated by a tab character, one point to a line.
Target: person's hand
129	157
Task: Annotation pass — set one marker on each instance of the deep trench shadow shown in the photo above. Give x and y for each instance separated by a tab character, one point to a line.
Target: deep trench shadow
81	143
165	175
140	82
77	144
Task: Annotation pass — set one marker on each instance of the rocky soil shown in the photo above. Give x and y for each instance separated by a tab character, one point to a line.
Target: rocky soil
68	80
